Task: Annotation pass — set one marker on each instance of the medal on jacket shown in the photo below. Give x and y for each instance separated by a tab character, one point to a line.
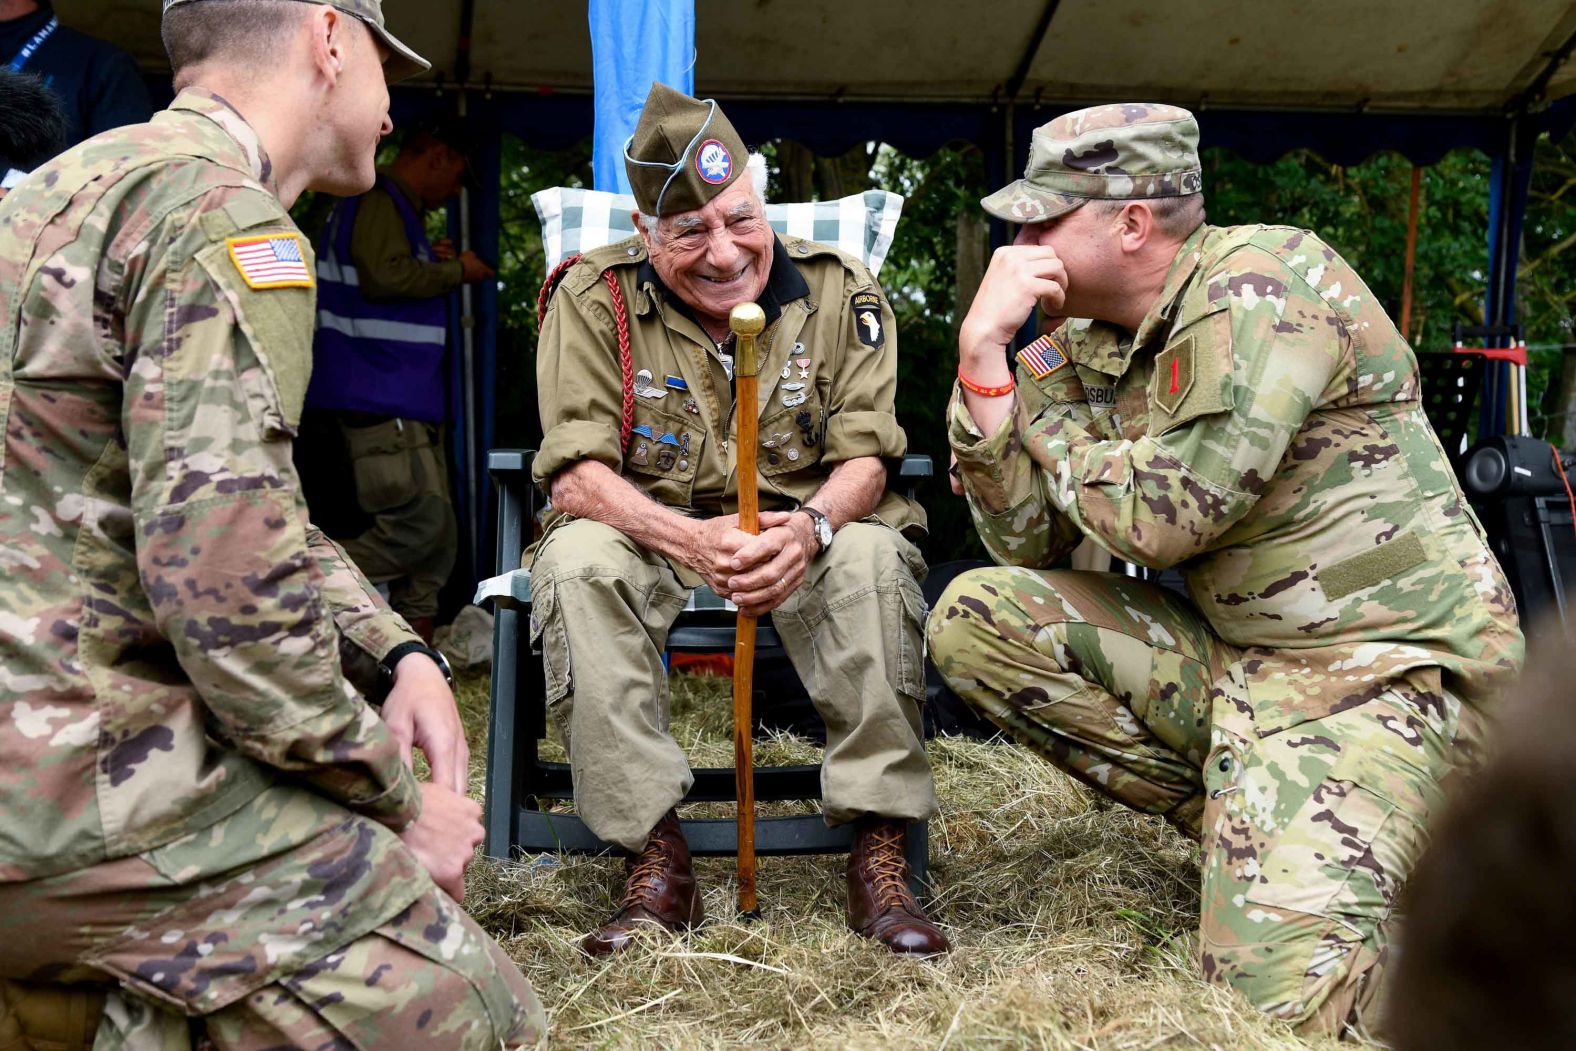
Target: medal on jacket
803	363
644	388
805	422
666	456
684	449
792	400
641	456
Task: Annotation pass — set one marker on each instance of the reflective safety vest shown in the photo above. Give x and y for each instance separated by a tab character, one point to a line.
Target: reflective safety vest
378	357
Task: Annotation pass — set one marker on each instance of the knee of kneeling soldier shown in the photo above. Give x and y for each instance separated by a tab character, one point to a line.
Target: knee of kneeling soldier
1319	973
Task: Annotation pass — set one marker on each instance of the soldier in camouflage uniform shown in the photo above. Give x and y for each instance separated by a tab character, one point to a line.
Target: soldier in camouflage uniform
198	805
1240	408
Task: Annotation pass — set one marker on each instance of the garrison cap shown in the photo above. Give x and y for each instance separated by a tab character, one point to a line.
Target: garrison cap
1122	152
402	63
684	152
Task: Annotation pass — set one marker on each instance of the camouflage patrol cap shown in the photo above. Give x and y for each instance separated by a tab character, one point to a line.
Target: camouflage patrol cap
684	152
1126	151
402	62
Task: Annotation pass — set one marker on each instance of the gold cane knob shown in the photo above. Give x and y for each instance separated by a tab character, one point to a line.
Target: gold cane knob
747	320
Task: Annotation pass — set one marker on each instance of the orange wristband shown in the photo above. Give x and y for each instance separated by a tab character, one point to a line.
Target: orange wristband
987	392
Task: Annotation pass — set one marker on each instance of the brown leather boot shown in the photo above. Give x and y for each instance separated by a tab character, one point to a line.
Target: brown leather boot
424	627
659	888
880	905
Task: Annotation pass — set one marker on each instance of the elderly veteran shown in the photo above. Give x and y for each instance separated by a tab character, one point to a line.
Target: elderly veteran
199	810
1240	407
640	463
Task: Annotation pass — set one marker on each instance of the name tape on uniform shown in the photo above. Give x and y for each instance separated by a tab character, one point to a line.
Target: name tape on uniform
270	261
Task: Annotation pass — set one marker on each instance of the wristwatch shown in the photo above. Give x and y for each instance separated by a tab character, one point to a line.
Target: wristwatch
823	528
398	653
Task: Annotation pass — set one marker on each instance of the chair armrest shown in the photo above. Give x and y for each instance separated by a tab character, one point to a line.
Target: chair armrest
511	473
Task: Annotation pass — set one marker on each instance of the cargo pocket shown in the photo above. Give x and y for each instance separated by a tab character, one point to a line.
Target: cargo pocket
385	466
1352	844
909	676
663	454
549	638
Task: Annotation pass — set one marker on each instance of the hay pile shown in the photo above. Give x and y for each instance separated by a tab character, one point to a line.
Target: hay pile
1073	924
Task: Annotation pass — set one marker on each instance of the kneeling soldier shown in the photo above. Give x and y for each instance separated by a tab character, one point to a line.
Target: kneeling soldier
1239	407
196	804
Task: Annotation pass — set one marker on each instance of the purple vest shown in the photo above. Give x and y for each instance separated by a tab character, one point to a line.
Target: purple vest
384	358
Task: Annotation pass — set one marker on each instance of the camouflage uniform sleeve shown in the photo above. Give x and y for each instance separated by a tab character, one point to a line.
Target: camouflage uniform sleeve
580	389
861	413
385	263
1230	389
216	376
1005	487
368	629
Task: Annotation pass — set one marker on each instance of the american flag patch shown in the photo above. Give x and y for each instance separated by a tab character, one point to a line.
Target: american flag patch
1042	357
271	261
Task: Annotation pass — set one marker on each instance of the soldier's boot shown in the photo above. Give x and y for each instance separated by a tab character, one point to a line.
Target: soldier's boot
424	627
659	890
880	905
37	1017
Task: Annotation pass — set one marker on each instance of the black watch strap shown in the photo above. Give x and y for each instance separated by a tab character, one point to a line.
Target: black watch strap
398	653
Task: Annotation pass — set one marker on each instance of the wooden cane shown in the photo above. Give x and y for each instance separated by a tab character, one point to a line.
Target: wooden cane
746	320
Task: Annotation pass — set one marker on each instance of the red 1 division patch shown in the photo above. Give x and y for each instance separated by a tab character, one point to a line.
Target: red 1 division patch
1173	375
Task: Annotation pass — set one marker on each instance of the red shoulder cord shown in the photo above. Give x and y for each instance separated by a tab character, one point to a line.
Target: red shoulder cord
626	363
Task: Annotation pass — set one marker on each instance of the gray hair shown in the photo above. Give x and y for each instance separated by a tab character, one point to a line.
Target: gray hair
755	168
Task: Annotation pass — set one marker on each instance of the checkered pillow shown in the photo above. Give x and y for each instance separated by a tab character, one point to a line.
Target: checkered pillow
578	220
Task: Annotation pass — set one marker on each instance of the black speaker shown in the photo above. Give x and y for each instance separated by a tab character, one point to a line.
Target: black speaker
1521	497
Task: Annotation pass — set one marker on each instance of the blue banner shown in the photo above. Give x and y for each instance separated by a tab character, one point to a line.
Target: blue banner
633	43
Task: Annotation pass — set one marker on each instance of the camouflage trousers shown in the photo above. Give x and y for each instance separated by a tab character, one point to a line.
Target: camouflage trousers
413	540
602	607
1308	832
290	923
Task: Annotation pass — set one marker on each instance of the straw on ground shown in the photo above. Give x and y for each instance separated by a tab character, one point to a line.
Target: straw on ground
1073	923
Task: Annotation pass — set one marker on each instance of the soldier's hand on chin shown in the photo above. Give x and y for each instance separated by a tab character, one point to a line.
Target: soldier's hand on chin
1020	277
771	565
445	837
420	712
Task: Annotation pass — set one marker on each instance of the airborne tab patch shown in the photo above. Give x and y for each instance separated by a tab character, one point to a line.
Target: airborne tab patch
867	319
270	261
1042	357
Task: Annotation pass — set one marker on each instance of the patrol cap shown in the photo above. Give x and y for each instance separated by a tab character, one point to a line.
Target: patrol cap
402	63
1123	152
684	152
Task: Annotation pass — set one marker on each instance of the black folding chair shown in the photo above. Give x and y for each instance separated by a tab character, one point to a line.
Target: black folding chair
521	785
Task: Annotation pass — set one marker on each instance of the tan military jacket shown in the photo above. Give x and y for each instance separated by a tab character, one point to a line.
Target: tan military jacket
170	623
1262	432
385	262
828	376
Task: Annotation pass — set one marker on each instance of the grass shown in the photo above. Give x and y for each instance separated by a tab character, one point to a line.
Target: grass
1073	924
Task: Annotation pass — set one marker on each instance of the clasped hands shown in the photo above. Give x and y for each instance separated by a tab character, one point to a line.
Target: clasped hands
755	573
420	713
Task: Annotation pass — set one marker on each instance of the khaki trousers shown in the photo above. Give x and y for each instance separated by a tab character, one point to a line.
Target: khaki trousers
602	607
402	483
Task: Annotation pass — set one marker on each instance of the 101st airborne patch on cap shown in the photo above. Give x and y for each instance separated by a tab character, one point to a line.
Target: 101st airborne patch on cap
867	319
270	261
1042	357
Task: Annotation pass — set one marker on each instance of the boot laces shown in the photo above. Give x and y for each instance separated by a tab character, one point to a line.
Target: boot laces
647	874
888	868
